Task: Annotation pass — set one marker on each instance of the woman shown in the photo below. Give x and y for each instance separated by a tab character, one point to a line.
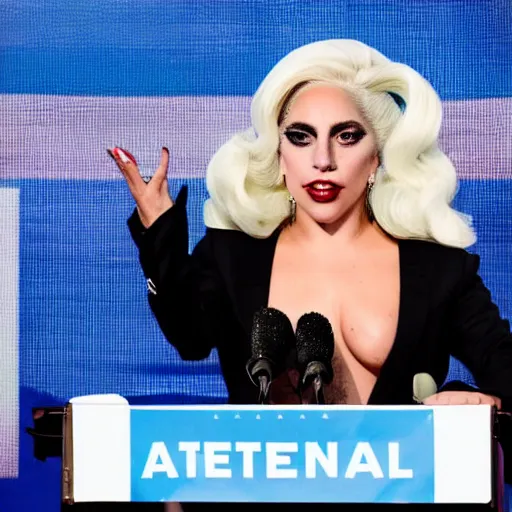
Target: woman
336	201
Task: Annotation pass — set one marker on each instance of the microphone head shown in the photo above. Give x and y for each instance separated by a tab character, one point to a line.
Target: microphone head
272	335
423	386
315	340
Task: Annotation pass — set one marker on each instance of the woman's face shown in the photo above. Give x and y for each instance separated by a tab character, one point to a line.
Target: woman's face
327	153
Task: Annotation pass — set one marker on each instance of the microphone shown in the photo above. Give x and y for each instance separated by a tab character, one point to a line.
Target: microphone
272	338
315	349
423	386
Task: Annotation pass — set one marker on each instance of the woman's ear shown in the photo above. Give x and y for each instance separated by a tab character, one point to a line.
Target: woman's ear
282	168
378	157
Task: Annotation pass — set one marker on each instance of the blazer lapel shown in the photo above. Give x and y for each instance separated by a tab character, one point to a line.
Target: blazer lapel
251	283
394	384
251	267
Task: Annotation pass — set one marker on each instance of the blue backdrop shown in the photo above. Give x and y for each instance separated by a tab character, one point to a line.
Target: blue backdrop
77	77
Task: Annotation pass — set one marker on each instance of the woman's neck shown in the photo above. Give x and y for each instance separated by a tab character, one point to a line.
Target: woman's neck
346	230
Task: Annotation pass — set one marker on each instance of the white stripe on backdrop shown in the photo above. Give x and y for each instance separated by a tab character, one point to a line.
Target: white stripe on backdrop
66	137
9	387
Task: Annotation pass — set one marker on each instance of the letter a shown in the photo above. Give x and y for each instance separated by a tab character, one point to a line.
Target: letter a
159	461
356	464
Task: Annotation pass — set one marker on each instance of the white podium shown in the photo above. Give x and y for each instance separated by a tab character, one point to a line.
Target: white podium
115	452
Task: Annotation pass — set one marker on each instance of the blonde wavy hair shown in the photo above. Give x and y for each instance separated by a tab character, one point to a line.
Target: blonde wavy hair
415	184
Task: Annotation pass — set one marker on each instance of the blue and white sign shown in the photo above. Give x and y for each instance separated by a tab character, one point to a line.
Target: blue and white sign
282	455
314	454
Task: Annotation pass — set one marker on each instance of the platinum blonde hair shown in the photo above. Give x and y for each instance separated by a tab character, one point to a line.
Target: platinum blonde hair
414	185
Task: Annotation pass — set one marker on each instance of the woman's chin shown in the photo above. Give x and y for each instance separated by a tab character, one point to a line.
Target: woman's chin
331	214
327	219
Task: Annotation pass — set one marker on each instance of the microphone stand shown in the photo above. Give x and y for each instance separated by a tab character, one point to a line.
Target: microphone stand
260	373
317	373
318	387
264	396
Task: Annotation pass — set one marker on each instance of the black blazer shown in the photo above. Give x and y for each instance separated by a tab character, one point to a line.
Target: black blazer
207	300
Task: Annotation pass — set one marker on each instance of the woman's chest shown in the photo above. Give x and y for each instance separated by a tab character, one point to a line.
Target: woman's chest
361	299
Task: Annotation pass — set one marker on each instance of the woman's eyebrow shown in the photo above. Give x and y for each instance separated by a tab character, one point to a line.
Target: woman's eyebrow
304	127
344	125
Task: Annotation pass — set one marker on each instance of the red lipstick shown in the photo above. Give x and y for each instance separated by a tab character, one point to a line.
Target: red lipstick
323	191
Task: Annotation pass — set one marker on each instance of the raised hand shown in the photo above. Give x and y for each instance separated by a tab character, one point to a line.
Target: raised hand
152	197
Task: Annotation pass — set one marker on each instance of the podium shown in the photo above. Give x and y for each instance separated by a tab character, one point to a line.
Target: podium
117	452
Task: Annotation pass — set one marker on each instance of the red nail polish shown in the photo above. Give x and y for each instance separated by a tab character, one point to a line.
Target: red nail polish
125	156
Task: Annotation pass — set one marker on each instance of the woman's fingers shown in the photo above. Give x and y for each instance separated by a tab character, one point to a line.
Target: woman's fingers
125	156
128	167
151	195
462	398
160	176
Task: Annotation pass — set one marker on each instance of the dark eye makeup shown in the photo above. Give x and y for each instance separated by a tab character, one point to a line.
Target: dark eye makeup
347	133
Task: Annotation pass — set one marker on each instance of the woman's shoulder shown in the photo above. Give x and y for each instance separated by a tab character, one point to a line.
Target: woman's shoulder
237	240
440	259
240	257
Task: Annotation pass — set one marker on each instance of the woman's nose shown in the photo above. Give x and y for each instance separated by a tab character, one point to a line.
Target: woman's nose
323	159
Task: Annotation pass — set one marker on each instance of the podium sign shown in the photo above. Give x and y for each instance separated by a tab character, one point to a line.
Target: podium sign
282	455
317	454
